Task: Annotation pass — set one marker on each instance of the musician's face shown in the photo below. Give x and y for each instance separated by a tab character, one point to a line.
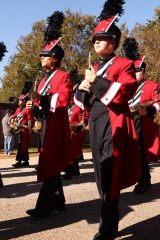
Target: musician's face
21	103
104	45
48	62
140	76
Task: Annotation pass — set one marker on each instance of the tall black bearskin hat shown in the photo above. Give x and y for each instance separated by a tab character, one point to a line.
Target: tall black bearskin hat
74	75
131	50
74	78
27	87
109	15
25	91
3	50
52	36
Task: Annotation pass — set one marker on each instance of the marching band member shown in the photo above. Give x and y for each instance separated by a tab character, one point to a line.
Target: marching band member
106	90
54	92
24	120
144	105
78	120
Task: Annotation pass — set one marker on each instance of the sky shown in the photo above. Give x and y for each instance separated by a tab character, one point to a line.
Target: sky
18	16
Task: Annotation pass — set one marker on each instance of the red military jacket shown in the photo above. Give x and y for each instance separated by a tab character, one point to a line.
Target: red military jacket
24	117
150	93
55	154
114	90
79	118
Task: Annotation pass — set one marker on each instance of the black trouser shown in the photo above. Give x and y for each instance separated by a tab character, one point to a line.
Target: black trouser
1	182
21	156
51	194
145	177
102	150
73	169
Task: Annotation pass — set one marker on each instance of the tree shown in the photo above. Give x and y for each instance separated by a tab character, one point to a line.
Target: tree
148	36
124	33
77	42
25	63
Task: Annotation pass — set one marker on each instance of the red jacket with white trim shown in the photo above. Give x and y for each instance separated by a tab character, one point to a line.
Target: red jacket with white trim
55	154
114	86
26	118
150	130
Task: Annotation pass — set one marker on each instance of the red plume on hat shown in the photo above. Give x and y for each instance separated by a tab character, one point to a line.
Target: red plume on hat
23	98
139	62
109	15
52	34
131	50
3	50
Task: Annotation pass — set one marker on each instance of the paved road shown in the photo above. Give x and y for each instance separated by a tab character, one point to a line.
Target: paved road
139	215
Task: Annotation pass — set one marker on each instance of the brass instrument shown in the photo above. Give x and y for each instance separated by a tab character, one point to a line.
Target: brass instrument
157	118
77	127
16	127
30	105
142	105
145	104
37	127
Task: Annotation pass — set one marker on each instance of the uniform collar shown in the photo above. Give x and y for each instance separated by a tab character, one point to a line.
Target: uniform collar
49	72
102	61
140	82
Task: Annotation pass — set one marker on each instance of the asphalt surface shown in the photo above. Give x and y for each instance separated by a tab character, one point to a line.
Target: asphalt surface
139	214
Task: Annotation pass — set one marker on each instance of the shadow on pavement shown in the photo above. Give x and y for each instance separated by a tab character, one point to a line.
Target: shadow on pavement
83	178
89	211
129	199
25	188
19	189
15	228
12	173
145	230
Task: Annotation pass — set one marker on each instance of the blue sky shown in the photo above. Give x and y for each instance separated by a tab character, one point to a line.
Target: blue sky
18	16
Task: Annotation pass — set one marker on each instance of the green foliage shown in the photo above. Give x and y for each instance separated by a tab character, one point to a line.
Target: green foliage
77	31
148	36
124	33
25	63
76	41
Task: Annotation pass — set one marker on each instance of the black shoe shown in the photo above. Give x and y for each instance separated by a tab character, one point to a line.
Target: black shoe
25	164
37	213
17	165
99	236
140	189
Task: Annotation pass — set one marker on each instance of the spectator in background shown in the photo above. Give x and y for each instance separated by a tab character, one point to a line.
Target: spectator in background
8	134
